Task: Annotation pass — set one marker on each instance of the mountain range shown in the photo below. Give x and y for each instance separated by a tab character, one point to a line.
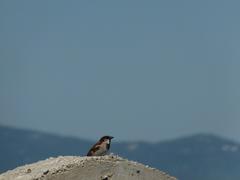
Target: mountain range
196	157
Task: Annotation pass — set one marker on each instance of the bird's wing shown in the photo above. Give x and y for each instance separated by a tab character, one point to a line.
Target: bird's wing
95	148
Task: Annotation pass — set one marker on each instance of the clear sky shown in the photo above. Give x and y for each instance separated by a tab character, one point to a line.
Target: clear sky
137	70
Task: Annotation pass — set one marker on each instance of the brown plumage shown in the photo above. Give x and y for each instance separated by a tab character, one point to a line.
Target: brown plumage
101	147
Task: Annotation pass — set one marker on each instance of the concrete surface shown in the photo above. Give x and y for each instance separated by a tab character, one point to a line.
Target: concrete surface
85	168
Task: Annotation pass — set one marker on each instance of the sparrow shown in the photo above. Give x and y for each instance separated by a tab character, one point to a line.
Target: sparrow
101	147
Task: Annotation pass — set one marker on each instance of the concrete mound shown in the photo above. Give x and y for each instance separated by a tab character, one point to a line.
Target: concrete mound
85	168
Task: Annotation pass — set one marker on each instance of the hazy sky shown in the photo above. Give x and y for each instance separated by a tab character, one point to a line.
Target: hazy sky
137	70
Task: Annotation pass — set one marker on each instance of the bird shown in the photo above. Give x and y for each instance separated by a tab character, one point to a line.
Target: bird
101	147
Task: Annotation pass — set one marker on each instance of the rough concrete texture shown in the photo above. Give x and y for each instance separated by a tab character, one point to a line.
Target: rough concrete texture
85	168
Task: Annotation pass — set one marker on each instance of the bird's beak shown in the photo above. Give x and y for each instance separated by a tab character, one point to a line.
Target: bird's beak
111	137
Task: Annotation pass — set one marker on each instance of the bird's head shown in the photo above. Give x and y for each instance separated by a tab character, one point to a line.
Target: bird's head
106	139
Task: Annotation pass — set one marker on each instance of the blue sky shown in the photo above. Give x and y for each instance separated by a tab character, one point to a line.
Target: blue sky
138	70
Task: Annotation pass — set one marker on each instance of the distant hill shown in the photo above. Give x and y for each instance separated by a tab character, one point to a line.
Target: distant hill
198	157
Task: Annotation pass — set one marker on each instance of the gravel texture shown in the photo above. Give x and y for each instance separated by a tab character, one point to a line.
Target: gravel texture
85	168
